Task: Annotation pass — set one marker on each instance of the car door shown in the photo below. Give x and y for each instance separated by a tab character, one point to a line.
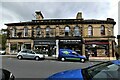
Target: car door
24	53
30	54
74	56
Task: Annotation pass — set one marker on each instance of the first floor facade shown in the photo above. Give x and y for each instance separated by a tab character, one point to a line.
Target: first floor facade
97	47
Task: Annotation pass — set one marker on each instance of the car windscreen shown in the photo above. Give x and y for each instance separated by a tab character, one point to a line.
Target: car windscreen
102	71
111	71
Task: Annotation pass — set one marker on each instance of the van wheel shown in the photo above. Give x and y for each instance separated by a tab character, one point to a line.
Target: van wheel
19	57
82	60
37	58
62	59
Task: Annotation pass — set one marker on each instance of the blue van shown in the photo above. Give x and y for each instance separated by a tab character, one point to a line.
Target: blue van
68	54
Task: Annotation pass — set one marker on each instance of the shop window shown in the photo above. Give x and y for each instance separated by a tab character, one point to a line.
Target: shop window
27	46
102	30
76	31
90	30
25	31
14	32
48	31
67	30
38	31
13	46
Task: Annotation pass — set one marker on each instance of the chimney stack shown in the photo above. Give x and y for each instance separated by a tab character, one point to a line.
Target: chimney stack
38	15
79	15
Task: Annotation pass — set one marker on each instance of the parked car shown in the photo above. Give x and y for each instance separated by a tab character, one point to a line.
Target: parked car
6	75
2	52
30	54
68	54
109	70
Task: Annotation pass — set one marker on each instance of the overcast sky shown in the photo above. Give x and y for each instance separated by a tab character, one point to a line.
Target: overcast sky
19	10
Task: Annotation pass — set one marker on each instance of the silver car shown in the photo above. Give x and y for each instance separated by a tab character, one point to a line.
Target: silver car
30	54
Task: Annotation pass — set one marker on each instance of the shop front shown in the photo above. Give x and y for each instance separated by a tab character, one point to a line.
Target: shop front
45	46
97	48
73	44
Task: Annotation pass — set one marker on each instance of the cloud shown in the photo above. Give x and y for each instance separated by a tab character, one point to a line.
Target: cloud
57	9
23	11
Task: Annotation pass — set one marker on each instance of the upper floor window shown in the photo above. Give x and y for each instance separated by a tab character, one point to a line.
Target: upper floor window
76	31
13	32
102	30
90	30
38	31
47	31
25	31
67	30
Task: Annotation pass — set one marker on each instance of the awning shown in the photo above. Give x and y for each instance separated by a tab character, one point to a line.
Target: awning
96	42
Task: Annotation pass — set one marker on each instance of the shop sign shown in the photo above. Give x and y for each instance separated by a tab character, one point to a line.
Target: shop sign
44	42
71	41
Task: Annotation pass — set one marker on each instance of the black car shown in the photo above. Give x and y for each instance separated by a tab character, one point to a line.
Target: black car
6	75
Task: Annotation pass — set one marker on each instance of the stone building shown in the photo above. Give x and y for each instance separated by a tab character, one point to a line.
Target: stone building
49	35
118	47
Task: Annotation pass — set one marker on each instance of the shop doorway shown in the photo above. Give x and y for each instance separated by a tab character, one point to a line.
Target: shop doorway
46	49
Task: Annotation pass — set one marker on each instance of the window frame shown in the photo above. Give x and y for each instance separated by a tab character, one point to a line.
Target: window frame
48	31
25	31
90	30
102	30
38	31
67	30
14	30
77	29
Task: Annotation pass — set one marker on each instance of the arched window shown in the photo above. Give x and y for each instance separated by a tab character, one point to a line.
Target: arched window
67	30
47	31
25	31
38	31
14	32
76	31
102	30
90	30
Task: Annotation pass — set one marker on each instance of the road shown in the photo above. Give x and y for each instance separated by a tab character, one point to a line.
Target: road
39	69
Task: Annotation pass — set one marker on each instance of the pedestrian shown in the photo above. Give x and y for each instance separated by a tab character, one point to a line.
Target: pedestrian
106	53
87	54
117	55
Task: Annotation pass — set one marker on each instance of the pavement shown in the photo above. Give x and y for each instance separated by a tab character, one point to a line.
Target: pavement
55	58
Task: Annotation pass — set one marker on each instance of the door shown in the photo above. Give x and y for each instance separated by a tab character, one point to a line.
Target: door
30	54
24	53
74	55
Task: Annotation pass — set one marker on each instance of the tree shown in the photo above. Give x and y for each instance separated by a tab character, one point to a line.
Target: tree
4	39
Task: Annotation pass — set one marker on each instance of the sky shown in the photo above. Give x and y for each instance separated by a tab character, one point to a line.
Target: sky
24	10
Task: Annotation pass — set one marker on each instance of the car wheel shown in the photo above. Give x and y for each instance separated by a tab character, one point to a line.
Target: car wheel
37	58
62	59
19	57
82	60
